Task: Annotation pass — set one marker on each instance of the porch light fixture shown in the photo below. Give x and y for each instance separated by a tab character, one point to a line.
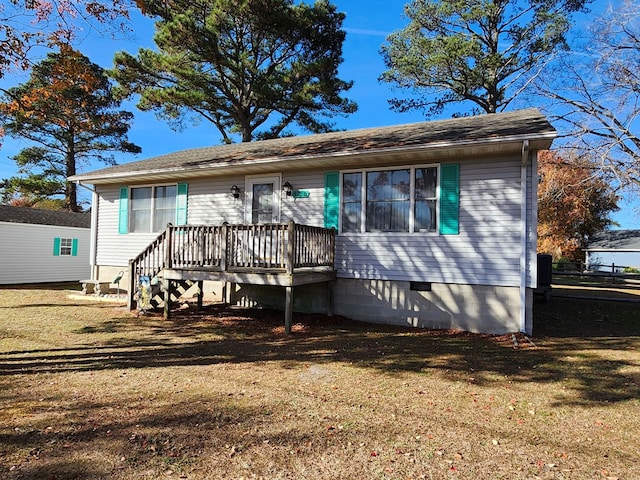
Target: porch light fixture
235	191
287	188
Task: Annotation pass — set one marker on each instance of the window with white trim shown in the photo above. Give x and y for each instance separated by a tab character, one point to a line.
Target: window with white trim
151	208
66	246
390	200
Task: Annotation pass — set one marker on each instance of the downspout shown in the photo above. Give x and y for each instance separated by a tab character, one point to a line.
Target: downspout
523	236
94	230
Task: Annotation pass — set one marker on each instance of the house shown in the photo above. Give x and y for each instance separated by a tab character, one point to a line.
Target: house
43	245
429	224
613	251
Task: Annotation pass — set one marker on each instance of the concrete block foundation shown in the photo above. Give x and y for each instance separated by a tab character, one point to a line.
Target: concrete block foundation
474	308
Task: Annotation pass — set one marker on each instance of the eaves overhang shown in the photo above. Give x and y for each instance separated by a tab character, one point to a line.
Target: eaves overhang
430	152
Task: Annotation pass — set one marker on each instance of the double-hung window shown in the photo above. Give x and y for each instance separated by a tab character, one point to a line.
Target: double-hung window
390	200
66	246
152	208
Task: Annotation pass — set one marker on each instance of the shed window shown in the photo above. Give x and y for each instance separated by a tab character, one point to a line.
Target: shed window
65	246
152	208
390	200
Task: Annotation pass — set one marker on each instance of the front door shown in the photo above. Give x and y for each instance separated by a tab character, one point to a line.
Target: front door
263	199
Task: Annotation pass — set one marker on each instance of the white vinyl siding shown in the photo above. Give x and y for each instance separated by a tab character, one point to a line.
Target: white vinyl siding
27	255
309	210
210	202
485	252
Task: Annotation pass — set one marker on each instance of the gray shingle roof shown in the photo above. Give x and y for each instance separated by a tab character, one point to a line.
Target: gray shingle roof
615	240
39	216
520	123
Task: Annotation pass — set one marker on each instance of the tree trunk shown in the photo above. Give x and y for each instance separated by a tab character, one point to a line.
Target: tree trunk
71	191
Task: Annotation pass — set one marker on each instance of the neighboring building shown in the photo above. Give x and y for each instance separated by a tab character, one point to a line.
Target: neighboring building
613	250
435	221
40	245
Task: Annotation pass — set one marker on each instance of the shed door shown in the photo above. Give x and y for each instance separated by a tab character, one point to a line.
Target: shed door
262	200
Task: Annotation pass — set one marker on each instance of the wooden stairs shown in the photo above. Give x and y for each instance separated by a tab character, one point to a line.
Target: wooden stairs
177	287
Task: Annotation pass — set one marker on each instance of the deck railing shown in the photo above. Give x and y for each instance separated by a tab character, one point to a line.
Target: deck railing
266	247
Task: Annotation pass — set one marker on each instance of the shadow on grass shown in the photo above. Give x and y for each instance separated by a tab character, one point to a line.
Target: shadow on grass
27	306
230	335
582	318
42	286
167	439
63	469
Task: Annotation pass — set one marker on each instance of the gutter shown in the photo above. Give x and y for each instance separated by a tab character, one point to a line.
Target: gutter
523	237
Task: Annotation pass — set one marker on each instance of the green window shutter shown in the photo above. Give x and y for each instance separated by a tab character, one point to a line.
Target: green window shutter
331	199
449	199
56	247
181	204
123	218
74	247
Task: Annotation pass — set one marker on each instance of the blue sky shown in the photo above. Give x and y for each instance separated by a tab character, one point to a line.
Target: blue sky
367	24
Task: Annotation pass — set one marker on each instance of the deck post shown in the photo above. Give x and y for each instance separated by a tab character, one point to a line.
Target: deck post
291	246
200	294
168	253
224	243
290	265
223	293
288	309
330	298
232	293
332	247
167	298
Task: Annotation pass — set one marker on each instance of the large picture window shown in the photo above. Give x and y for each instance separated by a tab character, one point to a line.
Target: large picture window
152	208
390	200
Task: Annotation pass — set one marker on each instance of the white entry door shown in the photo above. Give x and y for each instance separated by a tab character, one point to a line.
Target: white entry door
262	199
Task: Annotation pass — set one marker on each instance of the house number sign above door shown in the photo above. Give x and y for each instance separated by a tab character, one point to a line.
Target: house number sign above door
300	194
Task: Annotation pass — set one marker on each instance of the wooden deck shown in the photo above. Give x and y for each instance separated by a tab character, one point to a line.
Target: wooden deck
285	255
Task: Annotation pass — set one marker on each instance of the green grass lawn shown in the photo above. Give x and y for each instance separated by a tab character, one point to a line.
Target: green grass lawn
90	391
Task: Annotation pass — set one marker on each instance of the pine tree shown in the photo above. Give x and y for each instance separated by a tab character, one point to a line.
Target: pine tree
68	115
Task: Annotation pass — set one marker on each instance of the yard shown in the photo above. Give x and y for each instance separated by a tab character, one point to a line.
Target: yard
90	391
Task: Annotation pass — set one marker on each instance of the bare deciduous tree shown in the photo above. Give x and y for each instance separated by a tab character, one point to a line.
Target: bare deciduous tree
595	94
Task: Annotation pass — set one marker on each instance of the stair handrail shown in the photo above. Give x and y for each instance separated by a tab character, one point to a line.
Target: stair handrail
134	264
293	245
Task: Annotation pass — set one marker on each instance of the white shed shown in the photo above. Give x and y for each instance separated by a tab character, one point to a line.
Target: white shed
614	250
38	246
